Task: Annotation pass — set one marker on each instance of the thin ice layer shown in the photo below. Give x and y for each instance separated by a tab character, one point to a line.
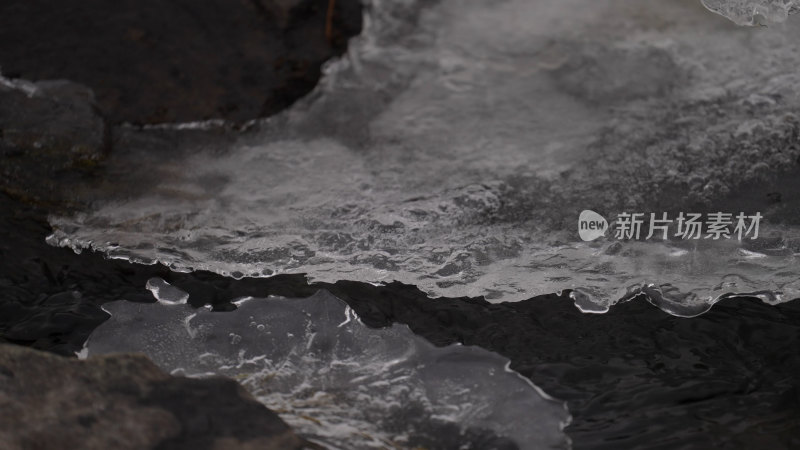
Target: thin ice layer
753	12
456	145
339	382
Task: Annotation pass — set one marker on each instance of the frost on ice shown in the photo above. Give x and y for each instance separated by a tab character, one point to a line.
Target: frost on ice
456	144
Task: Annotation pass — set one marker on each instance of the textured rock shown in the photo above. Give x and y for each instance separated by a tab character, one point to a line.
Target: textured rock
125	402
50	137
156	61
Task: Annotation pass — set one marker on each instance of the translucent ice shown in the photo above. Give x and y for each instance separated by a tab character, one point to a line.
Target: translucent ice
339	382
456	144
164	292
753	12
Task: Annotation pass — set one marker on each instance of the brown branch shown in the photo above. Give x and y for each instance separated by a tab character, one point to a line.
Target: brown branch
329	21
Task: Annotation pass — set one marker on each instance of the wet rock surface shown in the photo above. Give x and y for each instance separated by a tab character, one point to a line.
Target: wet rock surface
124	401
52	139
169	61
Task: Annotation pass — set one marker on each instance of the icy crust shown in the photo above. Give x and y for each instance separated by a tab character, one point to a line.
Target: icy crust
455	146
753	12
338	382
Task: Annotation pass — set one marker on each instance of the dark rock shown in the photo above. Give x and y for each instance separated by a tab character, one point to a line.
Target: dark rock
165	61
125	402
51	136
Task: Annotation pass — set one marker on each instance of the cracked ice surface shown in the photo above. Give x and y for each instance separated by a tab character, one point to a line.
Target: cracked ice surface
456	144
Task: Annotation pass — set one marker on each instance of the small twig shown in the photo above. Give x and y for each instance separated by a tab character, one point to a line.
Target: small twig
329	21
